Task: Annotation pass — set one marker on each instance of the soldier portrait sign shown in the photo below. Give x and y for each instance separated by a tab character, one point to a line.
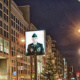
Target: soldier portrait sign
35	42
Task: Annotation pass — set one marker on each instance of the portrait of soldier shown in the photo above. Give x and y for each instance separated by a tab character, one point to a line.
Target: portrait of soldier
35	47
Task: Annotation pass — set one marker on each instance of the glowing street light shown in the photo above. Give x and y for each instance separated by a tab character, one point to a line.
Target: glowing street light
79	30
79	51
22	40
79	0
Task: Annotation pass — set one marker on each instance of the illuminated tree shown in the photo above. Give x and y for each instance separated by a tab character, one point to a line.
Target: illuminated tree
49	69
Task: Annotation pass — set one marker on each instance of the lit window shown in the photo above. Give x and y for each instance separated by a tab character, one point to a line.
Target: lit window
6	46
1	45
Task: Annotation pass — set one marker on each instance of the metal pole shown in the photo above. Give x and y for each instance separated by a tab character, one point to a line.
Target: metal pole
31	66
40	70
16	68
35	61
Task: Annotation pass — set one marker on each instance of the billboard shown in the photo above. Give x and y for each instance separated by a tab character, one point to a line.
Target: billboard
35	42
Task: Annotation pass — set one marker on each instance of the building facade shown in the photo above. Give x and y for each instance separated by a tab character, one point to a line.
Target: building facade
14	64
71	73
58	61
65	69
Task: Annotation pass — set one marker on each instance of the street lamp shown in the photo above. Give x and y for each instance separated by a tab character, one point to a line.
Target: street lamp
79	51
22	40
79	30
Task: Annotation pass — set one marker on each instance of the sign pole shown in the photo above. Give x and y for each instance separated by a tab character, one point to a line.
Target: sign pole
16	67
35	62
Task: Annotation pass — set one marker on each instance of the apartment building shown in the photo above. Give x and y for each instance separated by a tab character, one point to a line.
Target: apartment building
71	73
14	65
58	61
65	69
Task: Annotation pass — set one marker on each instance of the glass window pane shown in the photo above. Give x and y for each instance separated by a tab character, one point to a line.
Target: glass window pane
0	6
1	48
5	45
1	41
0	13
7	50
0	23
4	49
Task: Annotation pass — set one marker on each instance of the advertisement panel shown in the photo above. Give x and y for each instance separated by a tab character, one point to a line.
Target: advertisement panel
35	42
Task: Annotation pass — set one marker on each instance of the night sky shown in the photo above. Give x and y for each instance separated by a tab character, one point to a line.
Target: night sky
60	19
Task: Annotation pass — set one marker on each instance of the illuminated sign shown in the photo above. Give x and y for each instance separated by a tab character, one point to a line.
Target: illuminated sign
14	73
22	76
33	75
45	77
72	78
35	42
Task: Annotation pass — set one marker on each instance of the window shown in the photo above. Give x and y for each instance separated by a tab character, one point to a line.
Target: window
0	13
12	38
12	31
16	26
20	23
5	17
11	16
1	31
0	23
12	23
13	50
1	45
5	27
4	33
6	10
0	6
7	35
6	2
6	47
16	20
